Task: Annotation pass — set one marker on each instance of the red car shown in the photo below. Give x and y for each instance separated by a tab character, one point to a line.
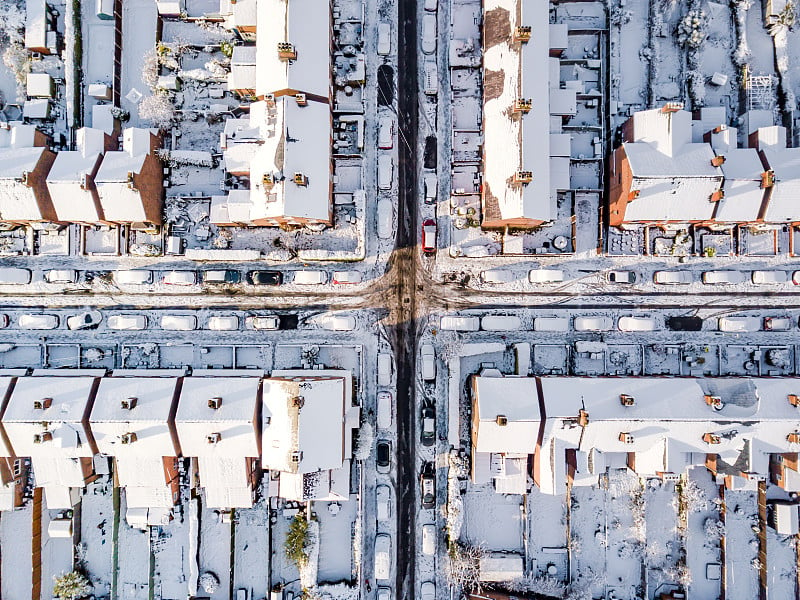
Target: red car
429	236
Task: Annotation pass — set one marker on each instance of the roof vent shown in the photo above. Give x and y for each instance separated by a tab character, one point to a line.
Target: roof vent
286	51
522	106
501	420
43	404
711	438
129	403
718	161
129	438
522	33
213	438
523	177
298	401
301	99
41	438
714	402
215	403
672	107
300	179
794	400
625	438
626	400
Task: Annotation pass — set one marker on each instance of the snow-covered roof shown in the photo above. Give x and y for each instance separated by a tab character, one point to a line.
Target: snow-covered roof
234	207
239	13
103	118
743	193
225	482
145	481
70	178
152	399
39	85
64	402
304	420
308	27
784	202
35	24
516	399
17	136
515	71
498	566
242	77
298	142
197	422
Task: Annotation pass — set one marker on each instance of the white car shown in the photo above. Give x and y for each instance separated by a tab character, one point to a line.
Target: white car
545	276
384	38
384	369
428	362
431	187
672	277
263	322
501	323
386	132
133	277
431	78
429	34
740	324
61	276
345	277
559	324
85	320
384	593
384	417
723	277
383	559
38	321
385	172
223	323
337	322
127	322
777	323
429	539
431	5
384	218
593	323
383	496
452	323
179	322
13	275
427	591
180	278
310	277
636	324
497	276
769	277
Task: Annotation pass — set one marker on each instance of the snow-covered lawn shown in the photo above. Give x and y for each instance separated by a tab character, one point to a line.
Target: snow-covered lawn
484	510
663	549
173	554
588	539
336	528
251	551
781	565
97	524
134	559
215	551
139	19
741	545
701	497
15	544
547	532
56	553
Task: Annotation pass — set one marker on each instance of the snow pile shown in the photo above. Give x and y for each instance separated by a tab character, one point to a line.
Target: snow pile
691	29
542	586
209	582
364	442
308	570
340	591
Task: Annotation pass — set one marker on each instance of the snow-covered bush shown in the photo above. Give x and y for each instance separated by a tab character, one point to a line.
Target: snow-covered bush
209	582
16	58
691	29
158	110
714	529
693	497
150	68
364	441
308	569
463	568
70	586
544	586
296	538
12	22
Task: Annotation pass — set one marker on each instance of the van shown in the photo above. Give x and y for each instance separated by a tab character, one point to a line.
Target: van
739	324
429	539
501	323
431	187
558	324
383	559
723	277
133	277
385	132
384	369
636	324
13	275
384	412
497	276
385	172
545	276
460	323
769	277
310	277
384	38
384	218
431	78
593	323
179	322
38	321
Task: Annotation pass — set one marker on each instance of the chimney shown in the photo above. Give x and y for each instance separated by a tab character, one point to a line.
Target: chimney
214	403
583	418
719	129
793	438
301	99
41	438
213	438
710	438
286	51
270	100
625	438
522	106
626	400
298	402
633	195
672	107
129	438
714	402
300	179
129	403
717	196
718	160
522	33
501	420
43	404
767	179
794	400
523	177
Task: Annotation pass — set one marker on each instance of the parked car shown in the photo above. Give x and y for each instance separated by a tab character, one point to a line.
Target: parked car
551	324
61	276
85	320
428	362
346	277
337	322
449	323
621	277
179	278
429	539
430	78
179	322
684	323
384	38
723	277
383	497
497	276
38	321
593	323
384	593
777	323
429	236
384	368
265	277
427	591
428	485
428	435
127	322
545	276
221	276
385	171
263	322
133	277
386	132
310	277
385	410
740	324
431	5
383	558
431	187
4	321
384	213
769	277
429	34
672	277
230	323
501	323
636	324
383	456
14	275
